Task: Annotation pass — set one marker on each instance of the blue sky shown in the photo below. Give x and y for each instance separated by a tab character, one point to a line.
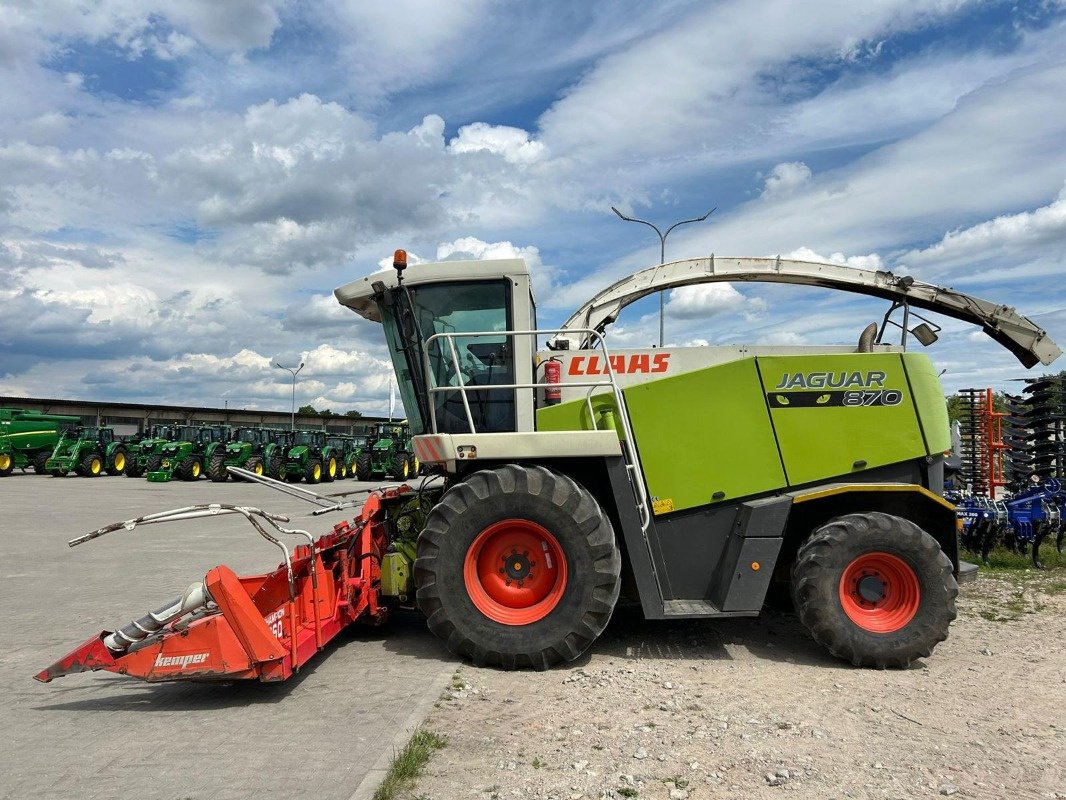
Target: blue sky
183	183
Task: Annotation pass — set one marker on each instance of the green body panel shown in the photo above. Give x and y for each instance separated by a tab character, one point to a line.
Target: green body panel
698	434
818	437
929	401
396	577
296	461
759	424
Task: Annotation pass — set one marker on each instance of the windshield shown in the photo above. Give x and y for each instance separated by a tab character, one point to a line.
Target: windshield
412	315
305	437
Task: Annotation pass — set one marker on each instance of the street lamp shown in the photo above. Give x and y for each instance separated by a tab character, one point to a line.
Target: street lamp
662	249
294	372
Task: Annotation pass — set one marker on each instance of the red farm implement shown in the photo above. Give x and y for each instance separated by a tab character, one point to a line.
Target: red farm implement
265	626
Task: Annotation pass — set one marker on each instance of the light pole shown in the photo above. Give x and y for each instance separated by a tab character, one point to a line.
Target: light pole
294	372
662	249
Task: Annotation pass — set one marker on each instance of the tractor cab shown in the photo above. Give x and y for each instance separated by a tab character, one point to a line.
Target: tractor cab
104	436
312	439
451	328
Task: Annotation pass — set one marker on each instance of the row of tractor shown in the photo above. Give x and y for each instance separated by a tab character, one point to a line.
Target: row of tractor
58	446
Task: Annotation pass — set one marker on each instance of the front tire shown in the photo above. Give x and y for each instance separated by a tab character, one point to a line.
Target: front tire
190	469
255	465
329	470
874	589
517	567
313	473
38	463
91	466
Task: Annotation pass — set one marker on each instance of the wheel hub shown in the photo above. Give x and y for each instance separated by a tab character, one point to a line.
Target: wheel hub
517	566
871	588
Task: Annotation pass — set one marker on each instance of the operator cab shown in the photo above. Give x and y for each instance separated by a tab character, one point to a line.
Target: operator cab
445	324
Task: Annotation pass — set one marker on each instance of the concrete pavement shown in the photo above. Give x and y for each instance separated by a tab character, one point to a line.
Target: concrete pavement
99	735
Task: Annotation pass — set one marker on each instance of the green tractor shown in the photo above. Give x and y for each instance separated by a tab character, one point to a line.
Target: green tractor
147	449
387	454
253	449
27	438
184	456
820	477
358	444
310	457
88	451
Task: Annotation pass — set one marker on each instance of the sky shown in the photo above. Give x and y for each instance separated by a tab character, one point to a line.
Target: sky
184	182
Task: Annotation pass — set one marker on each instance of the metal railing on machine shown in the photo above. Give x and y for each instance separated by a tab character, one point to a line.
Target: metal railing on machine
633	466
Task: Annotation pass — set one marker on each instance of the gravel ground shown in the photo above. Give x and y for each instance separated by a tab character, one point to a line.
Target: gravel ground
754	709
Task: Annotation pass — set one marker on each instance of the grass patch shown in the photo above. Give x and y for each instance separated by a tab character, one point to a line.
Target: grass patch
1002	560
409	763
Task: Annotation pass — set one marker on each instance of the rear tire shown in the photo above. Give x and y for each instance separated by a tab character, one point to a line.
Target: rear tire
401	467
216	469
275	465
362	467
517	516
118	461
7	464
874	589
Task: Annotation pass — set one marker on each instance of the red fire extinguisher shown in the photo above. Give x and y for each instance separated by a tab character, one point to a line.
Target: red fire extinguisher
553	376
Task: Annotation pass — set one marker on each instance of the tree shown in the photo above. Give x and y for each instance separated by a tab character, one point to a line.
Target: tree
307	410
353	414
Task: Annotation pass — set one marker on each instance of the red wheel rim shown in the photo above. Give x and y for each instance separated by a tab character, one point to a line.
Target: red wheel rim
880	592
515	572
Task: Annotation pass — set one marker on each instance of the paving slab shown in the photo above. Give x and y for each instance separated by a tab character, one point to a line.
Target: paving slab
100	735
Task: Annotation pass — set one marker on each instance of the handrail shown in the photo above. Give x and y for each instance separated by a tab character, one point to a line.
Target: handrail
595	339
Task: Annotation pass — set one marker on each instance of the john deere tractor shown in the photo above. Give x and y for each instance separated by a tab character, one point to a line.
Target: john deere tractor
27	438
347	452
388	453
88	452
185	455
253	449
148	449
358	444
821	467
310	457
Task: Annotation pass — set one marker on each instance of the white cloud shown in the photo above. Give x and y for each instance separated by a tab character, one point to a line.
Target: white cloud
785	179
704	300
1038	228
514	144
871	261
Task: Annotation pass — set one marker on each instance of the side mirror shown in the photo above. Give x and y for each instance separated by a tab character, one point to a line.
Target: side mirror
924	334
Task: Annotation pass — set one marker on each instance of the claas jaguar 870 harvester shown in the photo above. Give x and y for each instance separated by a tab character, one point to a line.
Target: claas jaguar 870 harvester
567	487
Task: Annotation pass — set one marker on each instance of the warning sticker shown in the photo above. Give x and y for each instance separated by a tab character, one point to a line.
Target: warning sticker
662	506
